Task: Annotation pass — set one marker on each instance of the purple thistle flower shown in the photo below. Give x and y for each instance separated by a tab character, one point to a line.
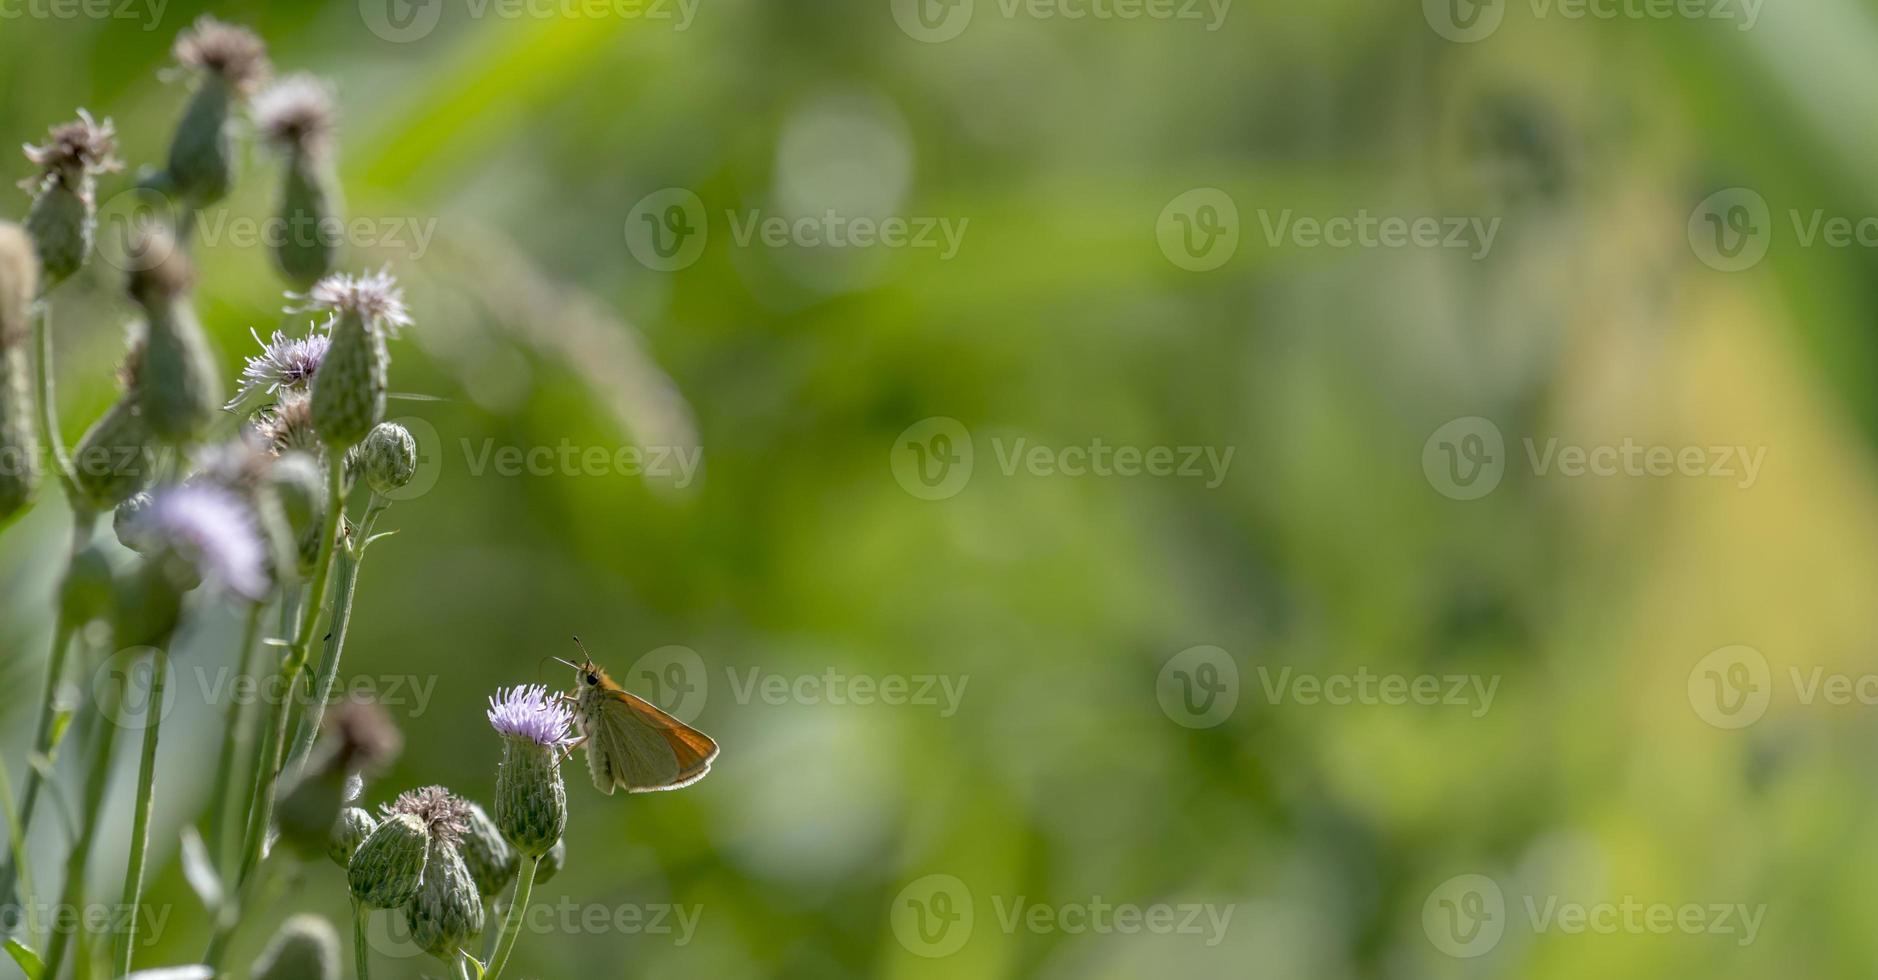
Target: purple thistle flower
532	713
211	528
374	296
284	364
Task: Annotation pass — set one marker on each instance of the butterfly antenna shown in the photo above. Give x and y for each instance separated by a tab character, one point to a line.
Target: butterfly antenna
583	650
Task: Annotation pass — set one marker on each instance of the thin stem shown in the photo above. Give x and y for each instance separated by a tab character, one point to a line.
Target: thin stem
361	954
72	896
236	738
48	406
16	850
146	796
346	560
42	745
512	926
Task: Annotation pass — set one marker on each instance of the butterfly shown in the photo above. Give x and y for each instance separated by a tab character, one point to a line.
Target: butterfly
629	741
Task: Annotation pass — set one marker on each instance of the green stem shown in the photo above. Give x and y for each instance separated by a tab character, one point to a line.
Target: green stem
48	406
346	560
236	739
146	797
512	926
267	772
16	850
361	953
72	896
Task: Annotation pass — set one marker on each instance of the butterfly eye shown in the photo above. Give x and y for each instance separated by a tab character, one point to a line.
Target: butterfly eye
592	679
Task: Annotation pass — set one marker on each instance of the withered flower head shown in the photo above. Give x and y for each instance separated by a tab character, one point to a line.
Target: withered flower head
445	816
296	113
73	153
236	54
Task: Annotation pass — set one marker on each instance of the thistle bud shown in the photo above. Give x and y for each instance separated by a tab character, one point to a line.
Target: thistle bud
126	522
113	460
228	62
389	458
388	866
531	800
305	948
296	116
358	737
19	446
447	911
63	220
181	385
85	594
301	490
146	603
349	388
349	831
491	861
551	862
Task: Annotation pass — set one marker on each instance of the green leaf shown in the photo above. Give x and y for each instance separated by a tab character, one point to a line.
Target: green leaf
195	972
60	722
26	958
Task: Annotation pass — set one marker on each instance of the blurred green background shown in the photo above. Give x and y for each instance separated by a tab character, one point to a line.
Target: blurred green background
1071	772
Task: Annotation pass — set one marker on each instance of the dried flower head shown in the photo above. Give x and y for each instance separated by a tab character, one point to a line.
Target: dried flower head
530	712
235	54
362	736
444	815
288	426
285	364
73	153
240	463
160	268
210	528
296	113
374	296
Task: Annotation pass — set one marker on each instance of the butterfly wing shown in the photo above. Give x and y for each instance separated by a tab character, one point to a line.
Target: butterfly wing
635	745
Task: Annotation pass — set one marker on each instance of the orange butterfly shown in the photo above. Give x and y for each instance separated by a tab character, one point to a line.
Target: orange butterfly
629	741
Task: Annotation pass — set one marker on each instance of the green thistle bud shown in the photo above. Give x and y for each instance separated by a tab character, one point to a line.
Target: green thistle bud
180	386
349	831
551	862
357	737
531	800
114	461
19	445
147	603
228	62
388	866
305	948
491	861
85	594
447	911
63	218
308	811
296	117
349	387
389	457
301	489
126	521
